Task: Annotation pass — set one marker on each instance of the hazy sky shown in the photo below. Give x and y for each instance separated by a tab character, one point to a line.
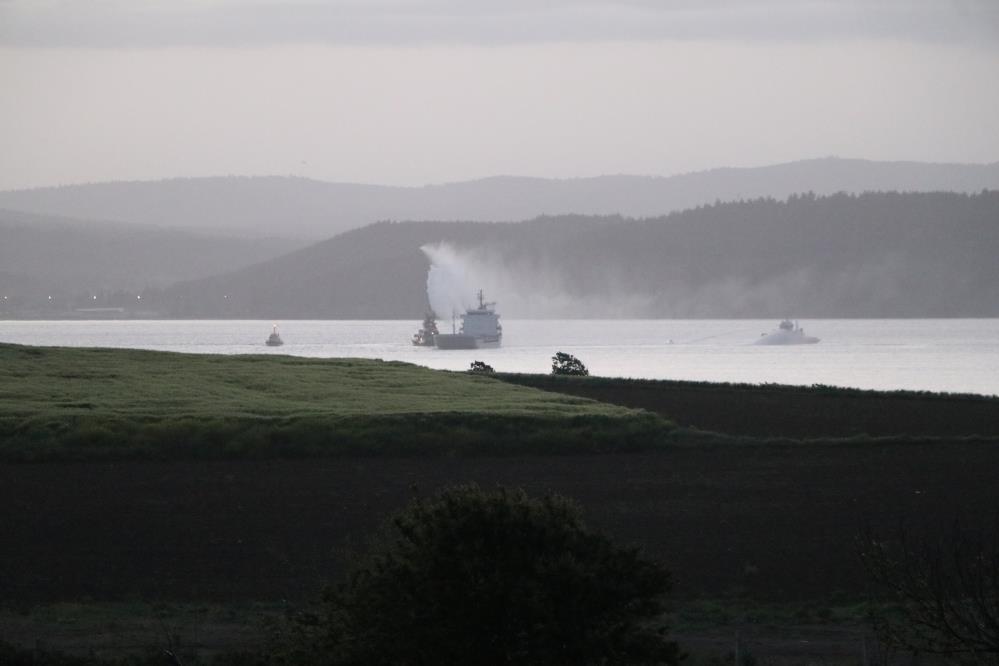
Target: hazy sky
413	92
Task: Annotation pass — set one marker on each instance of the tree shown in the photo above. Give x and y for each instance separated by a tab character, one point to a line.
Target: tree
567	364
480	366
937	594
471	576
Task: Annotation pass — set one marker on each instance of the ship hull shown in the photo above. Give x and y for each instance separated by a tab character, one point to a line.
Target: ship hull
785	338
462	341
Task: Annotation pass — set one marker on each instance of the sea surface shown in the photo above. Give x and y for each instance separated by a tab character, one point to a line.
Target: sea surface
953	355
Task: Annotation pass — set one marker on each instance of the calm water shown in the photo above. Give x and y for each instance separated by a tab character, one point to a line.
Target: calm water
960	355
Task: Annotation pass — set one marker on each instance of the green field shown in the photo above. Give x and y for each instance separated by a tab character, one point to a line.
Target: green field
62	403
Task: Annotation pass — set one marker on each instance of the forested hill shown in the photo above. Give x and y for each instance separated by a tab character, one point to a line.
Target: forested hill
74	260
869	255
312	209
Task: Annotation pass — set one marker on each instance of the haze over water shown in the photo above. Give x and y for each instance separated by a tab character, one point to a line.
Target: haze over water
950	355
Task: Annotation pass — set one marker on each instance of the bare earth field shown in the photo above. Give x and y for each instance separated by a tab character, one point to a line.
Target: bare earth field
773	522
770	524
796	412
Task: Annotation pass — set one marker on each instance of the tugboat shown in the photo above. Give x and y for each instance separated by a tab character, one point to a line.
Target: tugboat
274	340
788	333
480	328
425	336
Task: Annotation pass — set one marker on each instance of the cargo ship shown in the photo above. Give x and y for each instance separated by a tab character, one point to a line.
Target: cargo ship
480	328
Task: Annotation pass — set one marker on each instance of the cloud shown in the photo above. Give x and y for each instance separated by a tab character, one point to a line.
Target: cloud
225	23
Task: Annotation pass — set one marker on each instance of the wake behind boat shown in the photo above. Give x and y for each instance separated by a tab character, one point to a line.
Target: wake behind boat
480	328
788	333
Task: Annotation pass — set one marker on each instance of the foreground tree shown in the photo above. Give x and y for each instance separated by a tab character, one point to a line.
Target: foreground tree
495	577
937	594
567	364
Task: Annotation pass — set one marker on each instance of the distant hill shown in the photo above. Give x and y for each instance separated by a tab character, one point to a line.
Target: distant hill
286	206
71	258
869	255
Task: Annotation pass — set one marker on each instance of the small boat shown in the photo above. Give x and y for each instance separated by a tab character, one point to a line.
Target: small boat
788	333
274	340
480	328
425	336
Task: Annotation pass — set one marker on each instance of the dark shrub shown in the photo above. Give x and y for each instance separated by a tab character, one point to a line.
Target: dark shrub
495	577
567	364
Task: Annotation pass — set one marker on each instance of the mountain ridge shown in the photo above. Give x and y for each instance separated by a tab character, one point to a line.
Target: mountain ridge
843	255
311	209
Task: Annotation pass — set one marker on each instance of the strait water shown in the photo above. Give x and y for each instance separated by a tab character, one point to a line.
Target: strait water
955	355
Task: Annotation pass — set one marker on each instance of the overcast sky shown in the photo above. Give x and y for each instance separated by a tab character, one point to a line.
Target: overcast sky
414	92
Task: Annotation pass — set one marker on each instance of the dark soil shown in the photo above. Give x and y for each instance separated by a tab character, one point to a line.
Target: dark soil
766	522
798	412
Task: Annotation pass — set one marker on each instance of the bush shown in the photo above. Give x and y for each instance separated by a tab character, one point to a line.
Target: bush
937	593
567	364
495	577
480	366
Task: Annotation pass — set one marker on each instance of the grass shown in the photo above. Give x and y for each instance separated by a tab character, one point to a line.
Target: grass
700	614
80	404
199	631
110	404
113	631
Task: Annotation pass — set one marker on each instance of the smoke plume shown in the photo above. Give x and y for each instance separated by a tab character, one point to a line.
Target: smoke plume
522	288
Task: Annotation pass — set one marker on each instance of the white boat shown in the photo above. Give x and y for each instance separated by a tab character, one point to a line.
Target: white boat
788	333
274	340
480	328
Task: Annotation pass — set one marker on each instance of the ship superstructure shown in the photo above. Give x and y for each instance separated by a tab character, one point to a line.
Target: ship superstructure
788	333
480	327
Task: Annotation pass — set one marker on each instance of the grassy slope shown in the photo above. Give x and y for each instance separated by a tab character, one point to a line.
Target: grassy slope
58	403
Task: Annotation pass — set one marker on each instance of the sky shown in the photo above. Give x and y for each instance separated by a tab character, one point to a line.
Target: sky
411	92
